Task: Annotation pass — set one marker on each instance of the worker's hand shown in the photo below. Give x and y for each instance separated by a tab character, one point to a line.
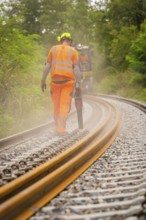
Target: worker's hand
43	85
78	89
78	84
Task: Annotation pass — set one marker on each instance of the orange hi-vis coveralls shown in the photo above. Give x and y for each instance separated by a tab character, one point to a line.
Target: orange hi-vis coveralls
62	59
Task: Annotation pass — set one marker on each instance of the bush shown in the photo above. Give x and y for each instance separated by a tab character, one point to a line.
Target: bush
137	55
127	84
22	103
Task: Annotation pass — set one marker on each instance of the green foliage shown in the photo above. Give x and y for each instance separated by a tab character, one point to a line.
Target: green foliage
78	16
53	18
137	54
120	46
126	84
117	24
21	60
16	54
126	12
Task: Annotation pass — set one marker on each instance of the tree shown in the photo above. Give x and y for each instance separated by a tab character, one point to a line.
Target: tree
126	12
137	54
120	46
14	57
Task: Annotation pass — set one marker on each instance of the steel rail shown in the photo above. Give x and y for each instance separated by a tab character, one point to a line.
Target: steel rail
22	136
135	103
60	172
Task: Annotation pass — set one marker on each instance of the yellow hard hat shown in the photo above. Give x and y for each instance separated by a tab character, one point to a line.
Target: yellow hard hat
64	36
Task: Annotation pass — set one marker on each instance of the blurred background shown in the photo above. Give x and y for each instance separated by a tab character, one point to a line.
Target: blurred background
115	30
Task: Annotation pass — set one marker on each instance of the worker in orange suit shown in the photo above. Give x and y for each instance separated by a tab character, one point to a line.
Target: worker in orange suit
62	63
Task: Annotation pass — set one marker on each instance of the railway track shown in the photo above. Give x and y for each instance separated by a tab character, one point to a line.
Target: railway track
114	188
25	195
54	175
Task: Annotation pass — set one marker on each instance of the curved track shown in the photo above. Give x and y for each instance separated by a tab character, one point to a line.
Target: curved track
114	188
113	193
38	186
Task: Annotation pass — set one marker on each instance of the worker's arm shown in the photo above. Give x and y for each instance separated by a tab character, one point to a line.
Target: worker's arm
44	76
77	72
76	65
46	71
